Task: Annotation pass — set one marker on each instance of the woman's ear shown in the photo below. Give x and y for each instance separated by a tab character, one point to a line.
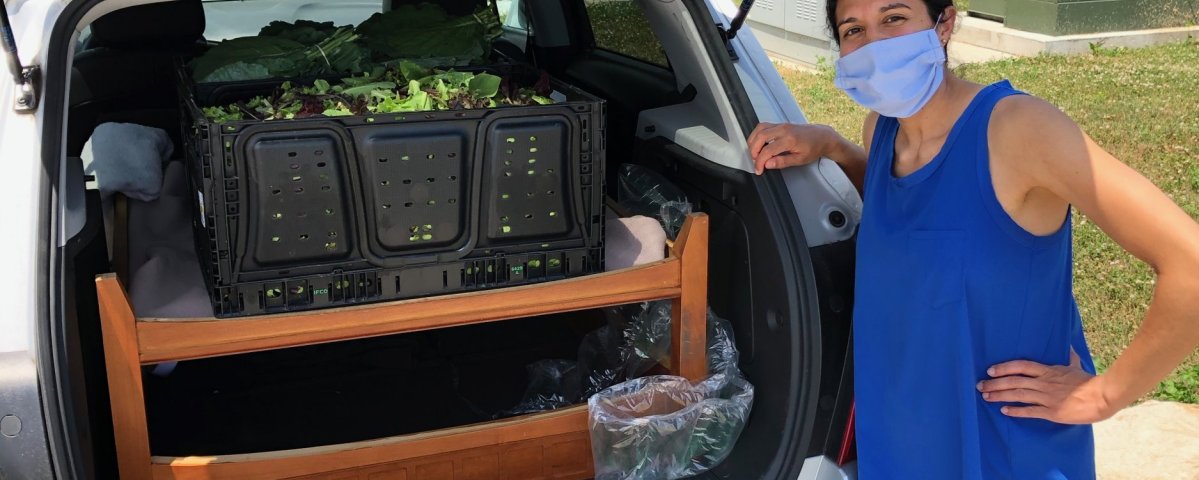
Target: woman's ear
949	21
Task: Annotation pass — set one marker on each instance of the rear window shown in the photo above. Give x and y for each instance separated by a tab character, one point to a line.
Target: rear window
227	19
620	26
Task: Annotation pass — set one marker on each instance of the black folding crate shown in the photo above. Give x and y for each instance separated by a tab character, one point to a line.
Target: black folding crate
325	211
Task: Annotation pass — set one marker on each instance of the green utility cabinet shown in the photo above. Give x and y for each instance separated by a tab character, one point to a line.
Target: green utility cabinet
1068	17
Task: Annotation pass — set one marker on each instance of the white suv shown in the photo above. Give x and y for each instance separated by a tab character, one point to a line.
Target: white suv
682	97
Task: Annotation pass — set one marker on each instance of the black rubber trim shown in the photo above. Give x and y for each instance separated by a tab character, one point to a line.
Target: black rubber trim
783	217
52	357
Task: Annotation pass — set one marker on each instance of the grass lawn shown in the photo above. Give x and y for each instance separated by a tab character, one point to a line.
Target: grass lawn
1140	105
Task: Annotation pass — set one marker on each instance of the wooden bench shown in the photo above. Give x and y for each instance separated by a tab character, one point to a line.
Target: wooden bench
550	445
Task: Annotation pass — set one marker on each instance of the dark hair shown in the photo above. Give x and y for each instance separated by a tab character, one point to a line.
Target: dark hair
935	9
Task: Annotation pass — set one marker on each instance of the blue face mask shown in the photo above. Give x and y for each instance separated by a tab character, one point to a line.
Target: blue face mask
895	77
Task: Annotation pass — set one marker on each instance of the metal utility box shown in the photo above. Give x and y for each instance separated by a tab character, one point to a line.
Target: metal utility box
794	29
1069	17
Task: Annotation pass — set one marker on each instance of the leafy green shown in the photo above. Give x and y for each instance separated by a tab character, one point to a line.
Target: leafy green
223	114
255	58
386	92
485	85
426	31
306	32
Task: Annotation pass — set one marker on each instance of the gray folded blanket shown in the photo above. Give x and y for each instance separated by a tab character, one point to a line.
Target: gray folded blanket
127	158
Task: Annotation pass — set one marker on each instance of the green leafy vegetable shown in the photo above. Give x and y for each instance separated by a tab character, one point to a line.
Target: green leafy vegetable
255	58
427	32
306	32
386	92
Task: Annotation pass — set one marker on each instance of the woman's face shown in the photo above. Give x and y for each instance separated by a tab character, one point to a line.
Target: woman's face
860	22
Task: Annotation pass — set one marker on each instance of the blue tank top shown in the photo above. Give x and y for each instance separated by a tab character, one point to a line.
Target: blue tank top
948	285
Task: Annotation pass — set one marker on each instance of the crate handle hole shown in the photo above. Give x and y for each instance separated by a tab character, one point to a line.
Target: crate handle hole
382	160
292	154
529	215
326	188
295	166
299	189
451	154
385	183
532	149
453	178
510	139
304	236
549	192
408	204
407	181
328	211
332	234
452	201
276	191
321	164
430	179
405	158
386	206
318	152
430	156
296	178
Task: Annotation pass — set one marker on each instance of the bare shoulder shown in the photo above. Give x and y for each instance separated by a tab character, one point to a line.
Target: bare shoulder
1034	137
868	130
1022	122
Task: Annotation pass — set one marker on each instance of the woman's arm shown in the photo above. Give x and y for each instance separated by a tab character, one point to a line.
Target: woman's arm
1044	146
775	146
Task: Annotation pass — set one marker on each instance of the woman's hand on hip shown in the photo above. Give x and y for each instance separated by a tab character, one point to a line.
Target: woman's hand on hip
781	145
1061	394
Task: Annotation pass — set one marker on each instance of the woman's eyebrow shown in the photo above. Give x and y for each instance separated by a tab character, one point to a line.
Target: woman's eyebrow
894	6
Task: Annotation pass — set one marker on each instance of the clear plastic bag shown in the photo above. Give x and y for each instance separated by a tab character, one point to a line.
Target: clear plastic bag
665	427
636	339
642	191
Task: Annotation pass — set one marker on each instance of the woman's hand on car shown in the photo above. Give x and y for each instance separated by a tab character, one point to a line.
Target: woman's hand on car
782	145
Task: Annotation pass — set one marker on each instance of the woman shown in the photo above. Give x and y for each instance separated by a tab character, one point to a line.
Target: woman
969	356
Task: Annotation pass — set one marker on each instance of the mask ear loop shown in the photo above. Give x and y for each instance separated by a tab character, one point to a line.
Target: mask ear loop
938	24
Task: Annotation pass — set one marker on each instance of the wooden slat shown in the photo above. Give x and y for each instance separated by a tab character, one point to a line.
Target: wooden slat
309	461
163	340
124	379
689	311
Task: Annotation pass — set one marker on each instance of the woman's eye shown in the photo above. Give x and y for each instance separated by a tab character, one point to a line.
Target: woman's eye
893	19
851	31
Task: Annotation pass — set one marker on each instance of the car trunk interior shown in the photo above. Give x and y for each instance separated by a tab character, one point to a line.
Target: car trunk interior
385	386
